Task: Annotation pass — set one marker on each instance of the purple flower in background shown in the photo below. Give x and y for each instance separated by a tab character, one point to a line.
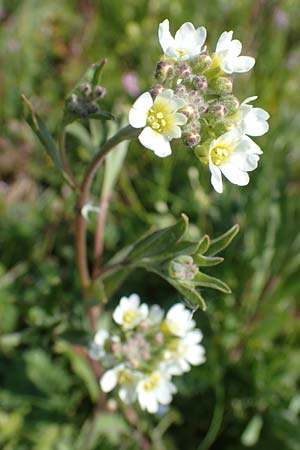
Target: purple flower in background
130	83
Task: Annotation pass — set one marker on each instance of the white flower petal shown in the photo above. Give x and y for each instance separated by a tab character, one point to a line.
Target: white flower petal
246	145
155	142
109	380
250	99
180	119
235	48
139	110
164	36
234	174
216	178
133	301
195	355
245	162
240	64
224	41
255	122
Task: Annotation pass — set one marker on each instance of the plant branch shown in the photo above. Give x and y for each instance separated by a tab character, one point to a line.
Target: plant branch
125	133
99	236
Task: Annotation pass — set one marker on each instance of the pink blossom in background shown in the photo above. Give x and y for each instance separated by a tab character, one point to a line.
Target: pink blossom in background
130	83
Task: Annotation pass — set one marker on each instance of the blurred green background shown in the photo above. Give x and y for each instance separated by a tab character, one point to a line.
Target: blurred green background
247	395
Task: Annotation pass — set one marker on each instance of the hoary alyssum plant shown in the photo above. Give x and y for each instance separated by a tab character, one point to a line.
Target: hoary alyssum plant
141	349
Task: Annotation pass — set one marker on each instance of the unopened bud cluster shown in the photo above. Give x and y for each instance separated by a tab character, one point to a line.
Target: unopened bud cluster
84	101
146	350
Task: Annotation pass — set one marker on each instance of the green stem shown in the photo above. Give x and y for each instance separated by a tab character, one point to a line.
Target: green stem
125	133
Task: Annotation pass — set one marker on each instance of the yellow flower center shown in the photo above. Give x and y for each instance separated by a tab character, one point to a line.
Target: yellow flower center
160	117
180	52
152	382
125	377
129	316
219	154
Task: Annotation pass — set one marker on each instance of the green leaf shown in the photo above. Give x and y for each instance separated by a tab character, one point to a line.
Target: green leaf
223	241
252	432
92	74
41	131
113	164
203	244
202	279
205	261
81	368
159	242
189	292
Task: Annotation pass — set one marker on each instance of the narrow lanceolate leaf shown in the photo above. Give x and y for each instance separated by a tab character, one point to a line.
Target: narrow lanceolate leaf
186	289
113	164
201	279
81	368
159	241
189	293
92	74
41	131
223	241
205	261
203	244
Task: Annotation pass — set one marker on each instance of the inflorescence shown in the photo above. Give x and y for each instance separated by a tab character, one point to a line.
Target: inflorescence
146	350
193	101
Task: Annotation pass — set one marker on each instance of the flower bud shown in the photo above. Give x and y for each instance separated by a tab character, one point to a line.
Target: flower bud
155	90
218	111
201	63
188	111
222	85
201	151
183	70
199	83
231	103
164	71
183	268
99	92
191	138
85	89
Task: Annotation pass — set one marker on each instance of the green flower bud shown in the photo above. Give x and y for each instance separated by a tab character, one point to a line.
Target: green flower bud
231	103
222	85
201	63
183	268
201	151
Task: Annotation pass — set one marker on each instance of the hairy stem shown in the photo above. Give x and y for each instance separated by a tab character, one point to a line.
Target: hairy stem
125	133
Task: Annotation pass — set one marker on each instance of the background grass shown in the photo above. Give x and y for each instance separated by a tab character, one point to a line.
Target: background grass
248	392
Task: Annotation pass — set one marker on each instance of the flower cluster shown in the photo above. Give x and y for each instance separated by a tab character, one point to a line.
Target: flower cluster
193	100
146	351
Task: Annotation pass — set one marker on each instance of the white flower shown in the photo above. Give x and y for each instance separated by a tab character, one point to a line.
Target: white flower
155	315
227	55
129	313
97	350
233	155
251	121
188	42
125	379
179	320
155	390
182	353
160	120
